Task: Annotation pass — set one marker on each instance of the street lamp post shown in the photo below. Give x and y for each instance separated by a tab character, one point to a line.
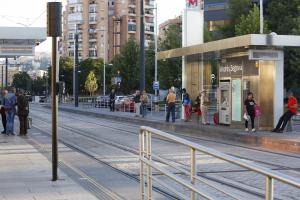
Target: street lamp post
142	46
261	8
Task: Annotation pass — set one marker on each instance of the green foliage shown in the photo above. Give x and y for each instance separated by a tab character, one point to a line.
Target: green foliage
150	67
39	86
250	24
284	18
23	81
66	65
235	9
91	83
169	71
85	67
127	64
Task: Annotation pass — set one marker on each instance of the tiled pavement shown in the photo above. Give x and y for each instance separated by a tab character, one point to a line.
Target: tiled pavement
25	174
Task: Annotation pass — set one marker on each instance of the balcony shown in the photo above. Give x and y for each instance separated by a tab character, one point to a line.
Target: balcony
75	17
74	1
131	4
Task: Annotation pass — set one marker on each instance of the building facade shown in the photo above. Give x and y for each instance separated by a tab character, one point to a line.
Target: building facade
104	24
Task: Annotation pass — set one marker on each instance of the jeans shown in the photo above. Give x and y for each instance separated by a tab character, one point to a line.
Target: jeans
252	117
3	116
112	105
137	107
170	109
284	119
10	117
144	110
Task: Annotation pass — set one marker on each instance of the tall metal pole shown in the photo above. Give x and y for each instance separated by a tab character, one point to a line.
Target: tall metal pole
142	47
76	70
6	72
54	109
104	63
2	77
155	41
54	30
261	8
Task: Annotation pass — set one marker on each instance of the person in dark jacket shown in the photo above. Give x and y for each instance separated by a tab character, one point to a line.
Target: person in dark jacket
249	108
2	110
137	103
112	99
23	112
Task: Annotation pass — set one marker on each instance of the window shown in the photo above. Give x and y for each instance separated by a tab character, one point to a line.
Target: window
131	27
216	25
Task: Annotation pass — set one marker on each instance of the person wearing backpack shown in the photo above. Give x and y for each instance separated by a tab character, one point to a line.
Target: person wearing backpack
144	102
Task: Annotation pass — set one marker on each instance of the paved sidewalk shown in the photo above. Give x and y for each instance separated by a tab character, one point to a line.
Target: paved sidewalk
289	141
25	174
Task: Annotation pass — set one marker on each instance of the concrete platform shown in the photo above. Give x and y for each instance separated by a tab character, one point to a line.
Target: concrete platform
25	174
288	141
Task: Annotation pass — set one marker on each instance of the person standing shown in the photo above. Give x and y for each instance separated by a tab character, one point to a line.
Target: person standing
10	108
249	109
186	102
137	103
112	99
171	98
286	117
144	102
2	110
204	107
23	112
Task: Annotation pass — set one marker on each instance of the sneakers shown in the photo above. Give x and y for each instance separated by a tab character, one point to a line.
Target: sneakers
253	130
246	129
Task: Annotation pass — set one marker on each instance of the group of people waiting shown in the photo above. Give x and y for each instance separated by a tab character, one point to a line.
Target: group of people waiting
14	103
251	109
201	104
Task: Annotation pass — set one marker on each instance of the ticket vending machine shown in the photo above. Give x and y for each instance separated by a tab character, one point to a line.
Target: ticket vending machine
224	102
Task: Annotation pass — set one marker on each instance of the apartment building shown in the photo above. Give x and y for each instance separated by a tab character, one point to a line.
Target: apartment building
104	24
163	27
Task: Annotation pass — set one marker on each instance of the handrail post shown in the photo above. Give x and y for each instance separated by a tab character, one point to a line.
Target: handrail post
142	148
149	170
269	188
193	171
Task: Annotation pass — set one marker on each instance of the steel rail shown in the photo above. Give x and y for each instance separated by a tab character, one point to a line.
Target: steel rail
146	159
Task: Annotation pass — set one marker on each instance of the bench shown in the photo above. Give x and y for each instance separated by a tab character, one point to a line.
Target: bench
295	120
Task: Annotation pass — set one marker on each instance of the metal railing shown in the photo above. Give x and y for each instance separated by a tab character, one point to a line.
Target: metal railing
148	164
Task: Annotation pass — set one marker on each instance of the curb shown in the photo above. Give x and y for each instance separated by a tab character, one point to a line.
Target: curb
221	133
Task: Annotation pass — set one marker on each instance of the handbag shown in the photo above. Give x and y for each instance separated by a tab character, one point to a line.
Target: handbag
257	110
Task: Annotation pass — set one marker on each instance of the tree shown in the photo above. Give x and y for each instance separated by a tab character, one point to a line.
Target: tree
283	18
39	86
126	65
91	83
250	24
23	81
169	71
66	65
235	9
85	67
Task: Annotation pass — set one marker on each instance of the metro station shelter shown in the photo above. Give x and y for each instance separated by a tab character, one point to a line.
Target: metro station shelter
19	41
230	68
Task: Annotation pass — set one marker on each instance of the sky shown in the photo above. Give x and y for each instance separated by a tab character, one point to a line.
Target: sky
33	13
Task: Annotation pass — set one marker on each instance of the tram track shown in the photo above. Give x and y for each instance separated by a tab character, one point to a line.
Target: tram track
135	151
195	139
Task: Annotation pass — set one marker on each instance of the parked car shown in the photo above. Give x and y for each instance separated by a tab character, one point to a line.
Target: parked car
29	98
126	104
102	102
43	99
119	102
